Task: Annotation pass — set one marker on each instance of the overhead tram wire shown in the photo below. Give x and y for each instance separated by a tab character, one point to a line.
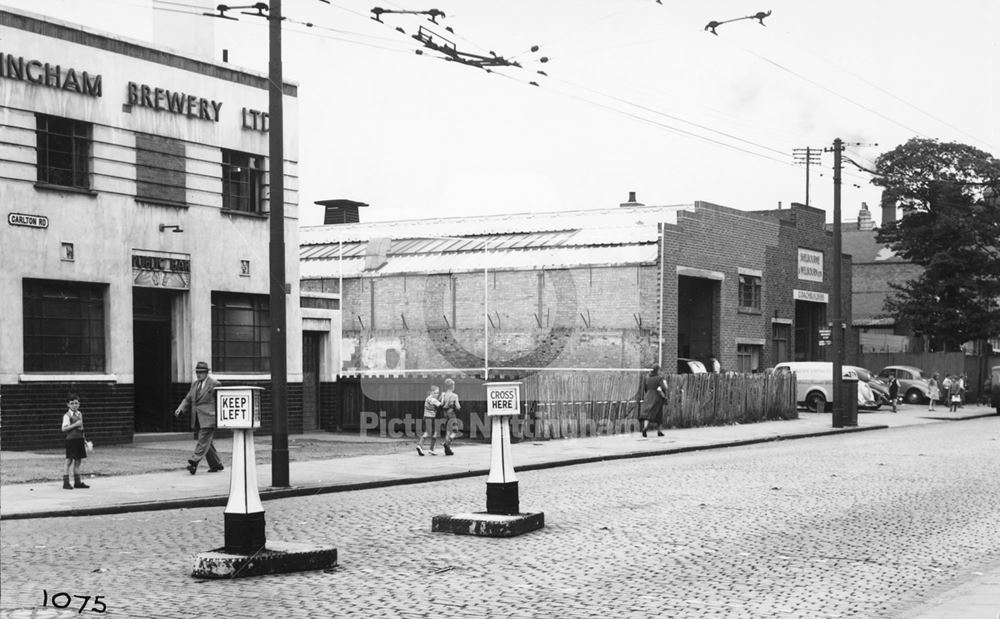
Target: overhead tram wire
801	45
672	117
621	112
408	50
833	92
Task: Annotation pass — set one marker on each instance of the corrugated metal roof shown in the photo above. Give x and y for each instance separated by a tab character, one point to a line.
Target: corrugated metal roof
493	260
599	219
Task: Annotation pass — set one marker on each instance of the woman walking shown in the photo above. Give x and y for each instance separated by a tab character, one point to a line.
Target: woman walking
651	408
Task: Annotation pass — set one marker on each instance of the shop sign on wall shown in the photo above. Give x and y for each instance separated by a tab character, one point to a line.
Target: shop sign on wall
160	269
810	265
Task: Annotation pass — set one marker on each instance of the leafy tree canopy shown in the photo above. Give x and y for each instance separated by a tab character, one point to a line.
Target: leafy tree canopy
950	225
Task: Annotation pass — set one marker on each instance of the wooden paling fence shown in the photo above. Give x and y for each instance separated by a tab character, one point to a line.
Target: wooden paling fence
567	404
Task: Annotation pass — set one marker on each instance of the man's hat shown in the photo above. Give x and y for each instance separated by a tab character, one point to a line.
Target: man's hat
201	366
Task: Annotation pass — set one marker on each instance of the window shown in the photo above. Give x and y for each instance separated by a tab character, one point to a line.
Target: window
242	182
159	169
750	292
241	333
63	148
782	333
748	358
63	326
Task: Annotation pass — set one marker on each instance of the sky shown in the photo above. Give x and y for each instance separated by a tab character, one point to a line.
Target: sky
638	96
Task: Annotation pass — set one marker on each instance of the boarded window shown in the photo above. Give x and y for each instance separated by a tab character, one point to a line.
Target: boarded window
159	173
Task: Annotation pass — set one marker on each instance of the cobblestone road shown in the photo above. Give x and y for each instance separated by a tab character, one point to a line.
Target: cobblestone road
864	525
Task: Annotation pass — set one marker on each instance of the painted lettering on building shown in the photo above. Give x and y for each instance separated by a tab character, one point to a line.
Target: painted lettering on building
49	75
154	269
256	120
810	265
30	221
172	101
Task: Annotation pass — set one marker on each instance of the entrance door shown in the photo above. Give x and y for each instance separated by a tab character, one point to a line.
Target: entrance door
696	317
310	380
151	359
809	319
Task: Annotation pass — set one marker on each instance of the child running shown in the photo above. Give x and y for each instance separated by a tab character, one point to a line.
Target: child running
431	407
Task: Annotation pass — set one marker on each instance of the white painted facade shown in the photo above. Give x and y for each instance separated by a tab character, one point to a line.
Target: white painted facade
108	225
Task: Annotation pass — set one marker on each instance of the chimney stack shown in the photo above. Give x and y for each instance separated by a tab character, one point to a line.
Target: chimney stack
340	211
865	221
631	201
888	211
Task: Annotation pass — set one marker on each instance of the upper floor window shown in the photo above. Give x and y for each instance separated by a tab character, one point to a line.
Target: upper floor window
63	148
63	326
241	332
159	169
242	182
750	292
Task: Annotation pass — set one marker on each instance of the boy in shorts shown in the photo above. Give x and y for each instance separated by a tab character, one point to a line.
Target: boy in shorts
72	425
431	407
449	408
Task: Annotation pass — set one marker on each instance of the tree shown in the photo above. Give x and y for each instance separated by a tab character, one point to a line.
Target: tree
950	225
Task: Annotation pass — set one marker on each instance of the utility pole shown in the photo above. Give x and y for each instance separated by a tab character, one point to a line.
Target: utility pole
807	156
836	319
276	170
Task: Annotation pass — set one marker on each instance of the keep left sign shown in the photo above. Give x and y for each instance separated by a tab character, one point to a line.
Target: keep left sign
237	407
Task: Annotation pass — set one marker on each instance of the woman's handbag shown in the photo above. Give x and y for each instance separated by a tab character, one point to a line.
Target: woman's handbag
89	446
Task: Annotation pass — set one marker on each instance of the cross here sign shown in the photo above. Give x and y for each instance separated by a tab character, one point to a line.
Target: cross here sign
237	407
503	399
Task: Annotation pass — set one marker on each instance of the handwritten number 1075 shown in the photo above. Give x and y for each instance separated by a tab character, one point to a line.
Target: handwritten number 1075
63	600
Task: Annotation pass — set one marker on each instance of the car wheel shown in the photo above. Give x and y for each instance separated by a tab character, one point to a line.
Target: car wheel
816	402
914	396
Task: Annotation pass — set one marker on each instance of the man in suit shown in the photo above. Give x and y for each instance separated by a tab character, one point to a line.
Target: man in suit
200	401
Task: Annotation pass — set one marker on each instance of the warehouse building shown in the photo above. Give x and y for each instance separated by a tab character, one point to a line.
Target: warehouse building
618	288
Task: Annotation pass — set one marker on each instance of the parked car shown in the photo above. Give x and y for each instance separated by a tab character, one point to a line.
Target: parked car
690	366
814	384
913	386
876	384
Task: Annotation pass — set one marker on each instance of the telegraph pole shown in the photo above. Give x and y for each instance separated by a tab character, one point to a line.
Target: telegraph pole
836	319
276	169
807	156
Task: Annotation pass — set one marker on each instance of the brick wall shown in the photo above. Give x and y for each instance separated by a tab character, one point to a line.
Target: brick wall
31	413
583	317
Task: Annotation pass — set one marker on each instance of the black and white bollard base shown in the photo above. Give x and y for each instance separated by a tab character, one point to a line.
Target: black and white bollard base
485	524
274	558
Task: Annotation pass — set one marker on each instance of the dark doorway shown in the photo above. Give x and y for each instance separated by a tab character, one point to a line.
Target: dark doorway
310	380
151	359
696	317
809	319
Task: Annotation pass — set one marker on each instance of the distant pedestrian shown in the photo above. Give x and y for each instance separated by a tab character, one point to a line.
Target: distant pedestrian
432	405
200	402
449	410
954	395
894	392
76	451
933	390
714	366
963	382
653	395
